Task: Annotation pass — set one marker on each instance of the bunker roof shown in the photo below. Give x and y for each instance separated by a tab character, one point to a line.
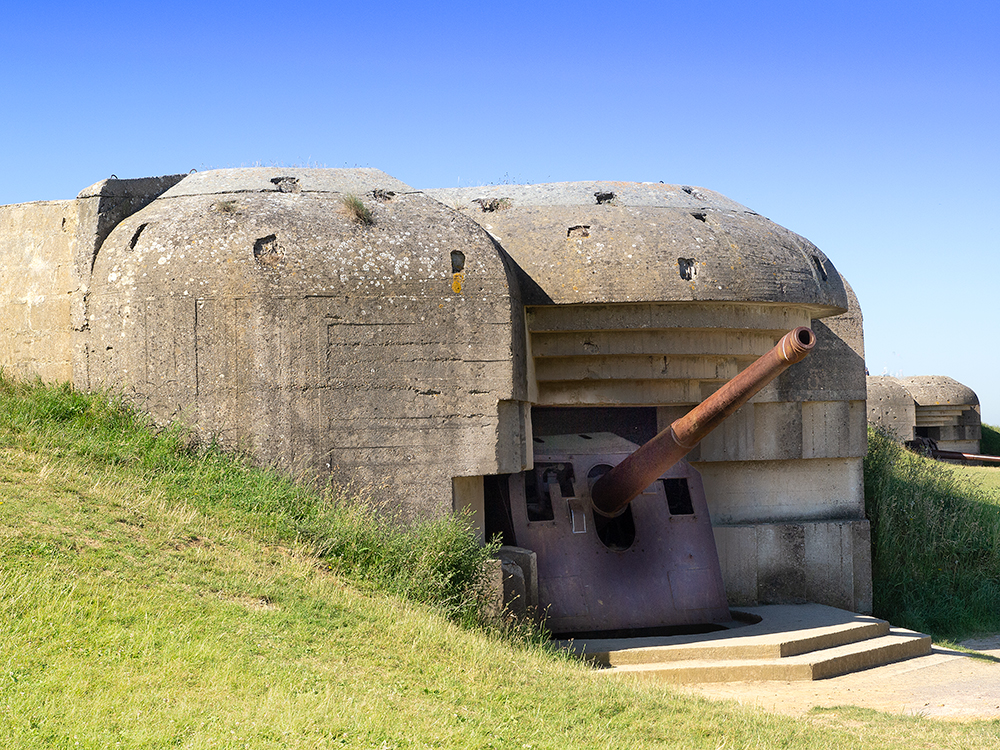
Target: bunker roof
939	390
279	232
612	242
287	180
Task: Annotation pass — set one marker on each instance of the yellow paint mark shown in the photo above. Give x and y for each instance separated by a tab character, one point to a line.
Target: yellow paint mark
456	282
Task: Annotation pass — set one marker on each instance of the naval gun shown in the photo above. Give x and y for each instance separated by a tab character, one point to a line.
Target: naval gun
622	532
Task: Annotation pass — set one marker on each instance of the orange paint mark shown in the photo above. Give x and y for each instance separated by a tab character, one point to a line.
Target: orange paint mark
456	282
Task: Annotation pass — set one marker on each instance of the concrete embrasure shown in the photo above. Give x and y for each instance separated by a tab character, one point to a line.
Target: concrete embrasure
931	406
653	294
789	461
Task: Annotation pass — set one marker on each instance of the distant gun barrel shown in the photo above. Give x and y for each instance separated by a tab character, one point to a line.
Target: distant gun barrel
928	447
612	492
959	456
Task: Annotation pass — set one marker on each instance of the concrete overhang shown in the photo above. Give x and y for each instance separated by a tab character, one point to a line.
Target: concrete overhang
619	242
934	390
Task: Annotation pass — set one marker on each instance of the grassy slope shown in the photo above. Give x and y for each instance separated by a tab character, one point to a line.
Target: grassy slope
154	599
990	443
935	541
987	478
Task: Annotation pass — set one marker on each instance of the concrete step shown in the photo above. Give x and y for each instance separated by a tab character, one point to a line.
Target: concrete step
896	645
742	643
787	642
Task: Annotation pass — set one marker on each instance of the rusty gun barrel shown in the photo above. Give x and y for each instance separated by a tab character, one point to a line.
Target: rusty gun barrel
928	447
959	456
612	492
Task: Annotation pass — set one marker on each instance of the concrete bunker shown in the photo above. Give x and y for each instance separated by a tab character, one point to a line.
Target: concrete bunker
448	354
933	407
945	411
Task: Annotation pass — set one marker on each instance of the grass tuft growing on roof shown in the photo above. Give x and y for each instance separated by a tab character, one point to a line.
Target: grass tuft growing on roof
357	211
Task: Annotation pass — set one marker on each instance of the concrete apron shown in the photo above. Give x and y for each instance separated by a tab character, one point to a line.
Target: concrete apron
802	656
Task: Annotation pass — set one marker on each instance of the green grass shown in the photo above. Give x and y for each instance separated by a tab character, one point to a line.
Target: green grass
989	445
435	562
987	478
155	594
357	211
935	541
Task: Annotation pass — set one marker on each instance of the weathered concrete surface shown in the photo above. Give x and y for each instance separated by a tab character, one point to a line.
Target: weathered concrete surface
653	295
823	561
783	491
835	369
99	209
945	685
650	354
288	180
389	354
37	288
46	254
766	632
104	204
938	390
527	562
600	242
891	407
796	643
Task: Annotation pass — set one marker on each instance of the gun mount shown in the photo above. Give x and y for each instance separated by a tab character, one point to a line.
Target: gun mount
622	532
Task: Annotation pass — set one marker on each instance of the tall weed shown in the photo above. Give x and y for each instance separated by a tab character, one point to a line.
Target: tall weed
935	543
437	561
989	445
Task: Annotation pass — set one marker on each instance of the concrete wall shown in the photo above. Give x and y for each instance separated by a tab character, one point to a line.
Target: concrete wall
47	251
38	285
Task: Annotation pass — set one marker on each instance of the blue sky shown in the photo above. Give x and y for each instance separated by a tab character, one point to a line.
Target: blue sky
871	128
